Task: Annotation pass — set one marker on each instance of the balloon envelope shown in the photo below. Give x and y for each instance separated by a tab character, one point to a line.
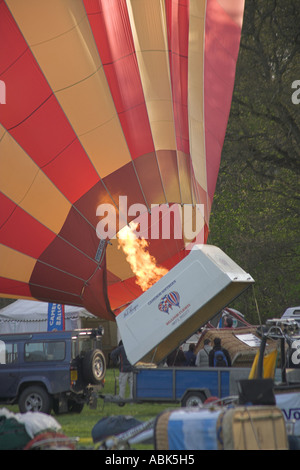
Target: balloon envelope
108	110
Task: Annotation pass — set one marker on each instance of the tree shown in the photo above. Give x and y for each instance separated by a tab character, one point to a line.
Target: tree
265	124
255	214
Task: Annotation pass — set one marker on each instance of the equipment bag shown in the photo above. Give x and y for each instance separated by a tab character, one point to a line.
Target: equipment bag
13	435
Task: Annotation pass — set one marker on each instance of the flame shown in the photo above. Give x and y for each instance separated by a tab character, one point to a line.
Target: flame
141	262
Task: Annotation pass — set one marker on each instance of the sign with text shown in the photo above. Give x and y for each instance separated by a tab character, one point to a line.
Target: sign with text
56	317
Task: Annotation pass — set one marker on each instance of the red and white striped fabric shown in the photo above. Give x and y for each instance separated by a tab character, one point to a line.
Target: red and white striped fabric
106	98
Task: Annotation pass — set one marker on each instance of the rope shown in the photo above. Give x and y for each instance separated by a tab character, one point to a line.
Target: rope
256	305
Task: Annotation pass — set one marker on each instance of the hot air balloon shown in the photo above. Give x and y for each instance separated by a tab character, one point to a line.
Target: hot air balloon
104	104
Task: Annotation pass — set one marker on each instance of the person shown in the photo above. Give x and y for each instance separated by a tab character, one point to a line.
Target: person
202	356
190	356
228	322
176	358
218	356
118	355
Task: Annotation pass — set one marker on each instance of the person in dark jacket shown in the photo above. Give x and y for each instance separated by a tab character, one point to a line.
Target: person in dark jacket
176	358
190	355
218	356
118	356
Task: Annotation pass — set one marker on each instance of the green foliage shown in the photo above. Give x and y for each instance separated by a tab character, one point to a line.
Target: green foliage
258	227
255	213
264	125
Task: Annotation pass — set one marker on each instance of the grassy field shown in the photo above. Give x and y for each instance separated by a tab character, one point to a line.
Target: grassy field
81	425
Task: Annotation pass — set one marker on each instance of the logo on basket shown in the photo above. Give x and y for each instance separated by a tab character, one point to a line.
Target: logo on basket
168	301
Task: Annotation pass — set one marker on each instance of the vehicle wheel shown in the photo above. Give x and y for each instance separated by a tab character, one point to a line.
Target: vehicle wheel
94	367
35	398
193	399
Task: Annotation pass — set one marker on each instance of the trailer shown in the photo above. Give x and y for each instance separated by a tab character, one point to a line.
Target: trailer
189	386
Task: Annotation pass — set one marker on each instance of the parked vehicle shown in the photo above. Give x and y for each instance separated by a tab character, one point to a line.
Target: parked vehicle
51	370
292	313
189	386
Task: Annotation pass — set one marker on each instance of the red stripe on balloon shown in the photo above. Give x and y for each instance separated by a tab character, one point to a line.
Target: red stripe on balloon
22	232
222	38
13	288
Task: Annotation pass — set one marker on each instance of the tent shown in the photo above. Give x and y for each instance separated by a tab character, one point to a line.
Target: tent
24	316
30	316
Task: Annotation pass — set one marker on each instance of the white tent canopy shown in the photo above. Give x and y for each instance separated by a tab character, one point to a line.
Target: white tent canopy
29	315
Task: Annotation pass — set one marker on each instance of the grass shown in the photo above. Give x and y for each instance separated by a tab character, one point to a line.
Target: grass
81	425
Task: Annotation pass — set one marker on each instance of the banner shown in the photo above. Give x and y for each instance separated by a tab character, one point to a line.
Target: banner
56	317
289	403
